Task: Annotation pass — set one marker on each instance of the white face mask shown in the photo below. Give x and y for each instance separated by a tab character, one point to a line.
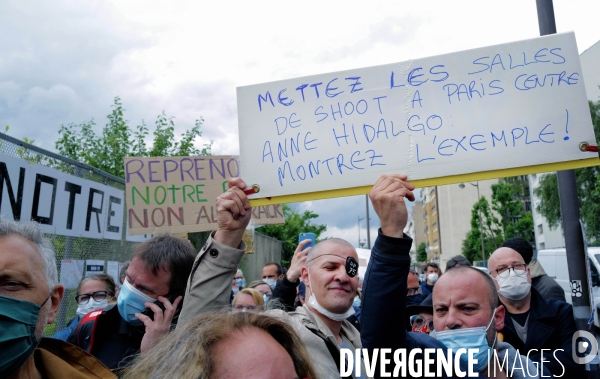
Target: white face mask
270	282
90	306
312	301
433	277
515	287
330	315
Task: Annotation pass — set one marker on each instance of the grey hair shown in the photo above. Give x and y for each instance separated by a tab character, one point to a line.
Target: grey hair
239	271
32	232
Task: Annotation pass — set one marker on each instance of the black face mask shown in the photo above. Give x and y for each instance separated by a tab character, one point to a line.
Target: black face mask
415	299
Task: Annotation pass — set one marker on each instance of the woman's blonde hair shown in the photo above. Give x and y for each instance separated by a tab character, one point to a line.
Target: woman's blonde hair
256	283
188	352
257	296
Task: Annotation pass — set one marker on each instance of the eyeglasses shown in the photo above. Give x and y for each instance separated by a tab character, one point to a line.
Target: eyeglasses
413	291
98	295
504	272
417	322
241	307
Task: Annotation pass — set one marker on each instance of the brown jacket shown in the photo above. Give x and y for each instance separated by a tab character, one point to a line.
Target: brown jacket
59	359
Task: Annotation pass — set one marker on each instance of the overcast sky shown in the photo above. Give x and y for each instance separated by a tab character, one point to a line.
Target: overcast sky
65	61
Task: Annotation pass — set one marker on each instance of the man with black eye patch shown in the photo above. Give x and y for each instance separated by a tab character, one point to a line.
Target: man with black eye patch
330	273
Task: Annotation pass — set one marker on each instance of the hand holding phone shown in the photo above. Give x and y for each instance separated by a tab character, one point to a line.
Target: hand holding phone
150	313
299	258
158	319
307	236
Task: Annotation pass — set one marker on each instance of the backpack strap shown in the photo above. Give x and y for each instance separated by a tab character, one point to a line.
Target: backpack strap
92	318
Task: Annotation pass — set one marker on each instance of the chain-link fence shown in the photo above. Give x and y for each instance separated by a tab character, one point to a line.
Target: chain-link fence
74	248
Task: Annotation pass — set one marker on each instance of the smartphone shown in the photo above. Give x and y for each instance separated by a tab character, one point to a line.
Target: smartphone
150	313
307	236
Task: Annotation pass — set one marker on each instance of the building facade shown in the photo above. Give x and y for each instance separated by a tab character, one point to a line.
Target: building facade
455	205
431	229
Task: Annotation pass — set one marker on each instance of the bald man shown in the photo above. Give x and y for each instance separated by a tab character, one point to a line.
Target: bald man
464	299
532	322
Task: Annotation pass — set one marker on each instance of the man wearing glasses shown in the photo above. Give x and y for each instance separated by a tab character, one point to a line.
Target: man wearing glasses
532	323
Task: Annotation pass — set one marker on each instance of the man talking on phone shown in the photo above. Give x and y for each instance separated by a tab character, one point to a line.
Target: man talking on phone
147	305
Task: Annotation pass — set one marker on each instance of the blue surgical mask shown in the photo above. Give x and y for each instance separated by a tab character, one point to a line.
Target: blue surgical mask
241	282
356	302
468	338
266	298
18	320
131	301
270	282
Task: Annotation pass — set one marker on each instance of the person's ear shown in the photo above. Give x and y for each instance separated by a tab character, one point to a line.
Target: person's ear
55	298
304	276
499	317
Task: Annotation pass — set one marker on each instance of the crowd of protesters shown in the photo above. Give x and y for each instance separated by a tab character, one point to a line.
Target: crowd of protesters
185	314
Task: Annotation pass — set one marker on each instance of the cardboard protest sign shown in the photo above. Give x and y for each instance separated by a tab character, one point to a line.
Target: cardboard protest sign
178	194
503	110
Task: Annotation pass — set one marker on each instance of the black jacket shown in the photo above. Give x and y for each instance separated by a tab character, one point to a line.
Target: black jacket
384	299
108	337
550	326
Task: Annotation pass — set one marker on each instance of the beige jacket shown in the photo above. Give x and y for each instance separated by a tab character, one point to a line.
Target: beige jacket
301	320
209	288
209	284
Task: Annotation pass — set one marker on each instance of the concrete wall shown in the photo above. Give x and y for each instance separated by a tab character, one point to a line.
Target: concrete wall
266	249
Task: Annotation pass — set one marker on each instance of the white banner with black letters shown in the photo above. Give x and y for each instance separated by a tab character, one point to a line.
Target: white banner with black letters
63	204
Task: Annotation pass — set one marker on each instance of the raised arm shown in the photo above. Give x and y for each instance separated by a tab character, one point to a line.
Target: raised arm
384	288
209	284
285	290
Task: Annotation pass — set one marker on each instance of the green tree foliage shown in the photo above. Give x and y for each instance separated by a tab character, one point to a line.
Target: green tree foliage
295	223
588	191
422	252
505	218
118	140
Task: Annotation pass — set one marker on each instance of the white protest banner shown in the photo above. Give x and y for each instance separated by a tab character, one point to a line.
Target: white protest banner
178	194
497	111
71	273
63	204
